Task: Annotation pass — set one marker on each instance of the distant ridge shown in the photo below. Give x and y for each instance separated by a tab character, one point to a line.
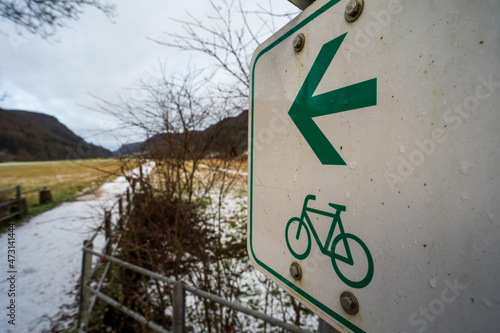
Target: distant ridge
129	149
231	139
33	136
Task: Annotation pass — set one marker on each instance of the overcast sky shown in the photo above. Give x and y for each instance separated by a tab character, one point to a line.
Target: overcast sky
97	57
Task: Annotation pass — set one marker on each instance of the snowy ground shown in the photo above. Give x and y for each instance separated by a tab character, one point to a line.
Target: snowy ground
48	261
48	258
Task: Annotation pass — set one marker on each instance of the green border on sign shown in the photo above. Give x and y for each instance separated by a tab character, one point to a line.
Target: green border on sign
311	299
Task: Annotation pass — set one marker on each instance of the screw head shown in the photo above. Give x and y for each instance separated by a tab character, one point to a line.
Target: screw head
295	271
353	9
298	42
349	303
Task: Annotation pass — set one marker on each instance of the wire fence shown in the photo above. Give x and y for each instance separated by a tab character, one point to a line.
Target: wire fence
89	295
16	205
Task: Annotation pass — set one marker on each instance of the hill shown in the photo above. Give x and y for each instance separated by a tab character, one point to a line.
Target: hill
129	148
230	137
32	136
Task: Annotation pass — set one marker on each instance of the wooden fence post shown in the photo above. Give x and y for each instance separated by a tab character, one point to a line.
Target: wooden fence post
83	315
120	212
107	231
128	201
45	196
19	199
141	177
179	308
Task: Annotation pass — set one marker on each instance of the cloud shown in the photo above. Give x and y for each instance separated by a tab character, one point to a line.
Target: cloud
92	57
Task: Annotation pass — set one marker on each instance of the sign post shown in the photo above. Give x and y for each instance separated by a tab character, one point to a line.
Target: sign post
374	190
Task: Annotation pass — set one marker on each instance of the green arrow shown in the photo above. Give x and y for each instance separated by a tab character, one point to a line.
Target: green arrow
306	106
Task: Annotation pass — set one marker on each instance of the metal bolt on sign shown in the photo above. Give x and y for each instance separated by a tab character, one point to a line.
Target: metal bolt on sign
295	271
298	42
353	9
349	303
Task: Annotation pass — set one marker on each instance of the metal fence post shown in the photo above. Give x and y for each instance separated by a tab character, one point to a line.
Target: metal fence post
19	201
179	308
323	327
83	315
107	231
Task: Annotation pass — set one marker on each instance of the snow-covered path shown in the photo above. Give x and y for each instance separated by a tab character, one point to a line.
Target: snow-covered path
48	258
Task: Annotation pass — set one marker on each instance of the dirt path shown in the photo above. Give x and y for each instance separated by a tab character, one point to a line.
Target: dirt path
48	259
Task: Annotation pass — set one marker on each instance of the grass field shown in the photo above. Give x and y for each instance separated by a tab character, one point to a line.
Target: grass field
66	179
235	171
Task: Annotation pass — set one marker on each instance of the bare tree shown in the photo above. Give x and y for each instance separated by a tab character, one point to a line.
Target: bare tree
177	226
229	38
181	228
43	17
181	119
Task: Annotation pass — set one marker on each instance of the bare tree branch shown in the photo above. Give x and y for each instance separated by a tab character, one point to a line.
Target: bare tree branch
229	39
44	17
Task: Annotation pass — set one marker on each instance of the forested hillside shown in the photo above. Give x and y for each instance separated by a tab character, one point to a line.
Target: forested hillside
32	136
230	139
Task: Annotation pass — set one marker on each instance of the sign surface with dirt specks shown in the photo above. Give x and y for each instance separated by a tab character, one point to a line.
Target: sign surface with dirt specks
373	153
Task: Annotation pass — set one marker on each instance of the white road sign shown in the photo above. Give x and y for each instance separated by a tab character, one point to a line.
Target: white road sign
374	184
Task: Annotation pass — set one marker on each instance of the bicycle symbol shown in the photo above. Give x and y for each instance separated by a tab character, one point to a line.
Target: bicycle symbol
304	222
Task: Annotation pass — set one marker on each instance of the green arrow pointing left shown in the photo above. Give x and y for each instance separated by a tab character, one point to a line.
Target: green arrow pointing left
306	106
